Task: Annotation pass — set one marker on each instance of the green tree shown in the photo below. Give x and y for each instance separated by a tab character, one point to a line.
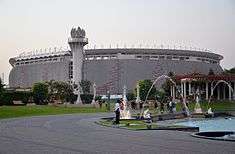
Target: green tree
230	71
61	90
130	96
85	86
160	95
40	93
1	87
166	86
145	86
1	90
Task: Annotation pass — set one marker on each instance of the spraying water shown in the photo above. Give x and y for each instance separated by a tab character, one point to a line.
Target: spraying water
197	107
212	92
183	99
124	112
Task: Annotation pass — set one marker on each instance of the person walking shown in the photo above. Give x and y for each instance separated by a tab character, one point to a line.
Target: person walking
117	111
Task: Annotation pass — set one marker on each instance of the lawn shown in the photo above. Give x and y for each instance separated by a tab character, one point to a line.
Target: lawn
216	106
23	111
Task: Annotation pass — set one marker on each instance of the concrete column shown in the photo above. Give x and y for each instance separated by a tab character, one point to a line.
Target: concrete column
233	90
171	90
218	92
224	88
185	89
230	92
211	88
182	88
173	93
189	88
207	97
76	42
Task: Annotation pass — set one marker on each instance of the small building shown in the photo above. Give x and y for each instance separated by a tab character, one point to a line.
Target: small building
208	87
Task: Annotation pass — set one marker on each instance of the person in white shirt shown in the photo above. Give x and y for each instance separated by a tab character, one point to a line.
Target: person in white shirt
117	111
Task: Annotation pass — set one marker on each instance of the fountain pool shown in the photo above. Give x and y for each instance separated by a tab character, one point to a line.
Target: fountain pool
215	124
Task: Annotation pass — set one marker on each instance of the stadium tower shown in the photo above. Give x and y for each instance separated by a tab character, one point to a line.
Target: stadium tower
76	42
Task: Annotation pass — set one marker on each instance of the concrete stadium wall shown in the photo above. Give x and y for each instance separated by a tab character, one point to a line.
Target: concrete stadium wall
130	71
25	75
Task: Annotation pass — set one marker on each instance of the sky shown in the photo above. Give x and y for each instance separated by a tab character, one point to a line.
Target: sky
27	25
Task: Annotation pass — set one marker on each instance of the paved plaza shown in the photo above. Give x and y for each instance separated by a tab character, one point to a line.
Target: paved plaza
79	134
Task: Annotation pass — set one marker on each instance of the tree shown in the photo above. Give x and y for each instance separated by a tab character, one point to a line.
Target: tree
85	86
160	95
230	71
145	86
130	96
61	90
40	93
1	90
166	86
1	87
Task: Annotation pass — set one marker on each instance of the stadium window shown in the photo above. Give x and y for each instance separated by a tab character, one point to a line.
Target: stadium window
169	57
113	57
181	58
139	57
161	57
146	57
154	57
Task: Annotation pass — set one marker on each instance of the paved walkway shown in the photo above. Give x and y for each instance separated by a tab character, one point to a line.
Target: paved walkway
79	134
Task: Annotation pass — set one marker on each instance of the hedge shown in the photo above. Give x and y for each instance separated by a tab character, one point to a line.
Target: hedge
86	98
8	97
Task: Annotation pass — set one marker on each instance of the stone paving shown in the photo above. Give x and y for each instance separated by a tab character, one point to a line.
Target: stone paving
79	134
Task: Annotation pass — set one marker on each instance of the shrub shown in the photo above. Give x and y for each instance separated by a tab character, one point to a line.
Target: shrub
40	93
7	98
86	98
130	96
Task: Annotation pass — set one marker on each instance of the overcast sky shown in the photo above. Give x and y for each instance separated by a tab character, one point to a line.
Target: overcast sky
26	25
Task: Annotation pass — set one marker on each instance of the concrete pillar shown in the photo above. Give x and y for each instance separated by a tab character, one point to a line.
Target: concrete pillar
230	92
76	42
185	89
212	89
189	88
233	90
173	90
218	92
182	88
207	97
224	94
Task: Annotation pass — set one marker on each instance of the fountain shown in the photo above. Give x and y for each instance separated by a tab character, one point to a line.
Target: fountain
197	107
124	111
212	92
185	108
146	114
94	91
137	93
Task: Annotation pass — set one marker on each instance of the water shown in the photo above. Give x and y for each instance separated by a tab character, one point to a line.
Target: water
217	124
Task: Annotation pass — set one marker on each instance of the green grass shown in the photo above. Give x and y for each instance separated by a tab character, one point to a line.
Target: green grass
138	125
216	106
23	111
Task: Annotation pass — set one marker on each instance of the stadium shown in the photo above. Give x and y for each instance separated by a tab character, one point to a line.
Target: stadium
112	68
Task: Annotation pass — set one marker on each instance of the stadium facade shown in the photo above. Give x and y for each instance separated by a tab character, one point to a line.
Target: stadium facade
110	69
